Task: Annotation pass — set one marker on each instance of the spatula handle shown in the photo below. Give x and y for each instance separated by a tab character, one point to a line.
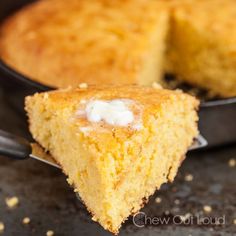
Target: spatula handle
14	146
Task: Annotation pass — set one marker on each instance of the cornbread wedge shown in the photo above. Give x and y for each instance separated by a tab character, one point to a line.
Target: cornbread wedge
61	44
202	43
112	164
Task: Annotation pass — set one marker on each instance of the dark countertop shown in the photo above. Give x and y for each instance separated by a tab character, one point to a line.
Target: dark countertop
46	198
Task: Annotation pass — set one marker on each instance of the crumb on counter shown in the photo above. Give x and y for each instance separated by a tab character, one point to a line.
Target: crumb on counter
188	177
158	200
83	85
2	226
12	202
232	162
26	220
177	201
50	233
207	208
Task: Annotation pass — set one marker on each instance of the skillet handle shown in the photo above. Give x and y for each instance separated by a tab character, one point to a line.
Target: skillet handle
13	146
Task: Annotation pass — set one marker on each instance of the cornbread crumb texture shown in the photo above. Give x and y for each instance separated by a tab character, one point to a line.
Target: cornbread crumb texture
177	201
50	233
104	42
201	47
123	165
207	208
158	200
188	177
232	162
12	202
26	220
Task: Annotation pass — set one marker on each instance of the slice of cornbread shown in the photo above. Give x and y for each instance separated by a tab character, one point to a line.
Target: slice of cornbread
61	44
117	146
202	43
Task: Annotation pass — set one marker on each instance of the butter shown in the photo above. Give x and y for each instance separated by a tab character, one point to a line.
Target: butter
115	112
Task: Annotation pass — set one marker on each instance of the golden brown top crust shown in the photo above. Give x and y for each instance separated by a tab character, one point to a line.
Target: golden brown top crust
151	100
62	43
147	96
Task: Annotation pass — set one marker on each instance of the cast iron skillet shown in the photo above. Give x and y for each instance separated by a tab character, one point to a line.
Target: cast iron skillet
217	117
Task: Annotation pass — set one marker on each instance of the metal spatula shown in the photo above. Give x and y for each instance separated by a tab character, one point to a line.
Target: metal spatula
19	148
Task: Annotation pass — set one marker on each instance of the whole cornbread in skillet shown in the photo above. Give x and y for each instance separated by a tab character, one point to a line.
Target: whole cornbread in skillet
61	43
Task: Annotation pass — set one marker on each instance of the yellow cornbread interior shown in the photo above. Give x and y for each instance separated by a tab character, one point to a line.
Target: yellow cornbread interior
201	44
115	169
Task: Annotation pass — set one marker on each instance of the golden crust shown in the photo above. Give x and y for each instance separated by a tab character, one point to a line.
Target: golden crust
150	97
103	41
148	101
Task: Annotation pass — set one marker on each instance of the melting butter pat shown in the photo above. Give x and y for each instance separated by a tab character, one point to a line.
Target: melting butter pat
115	112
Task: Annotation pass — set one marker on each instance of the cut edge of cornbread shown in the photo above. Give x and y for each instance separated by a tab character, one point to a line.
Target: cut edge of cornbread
201	45
115	170
153	68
